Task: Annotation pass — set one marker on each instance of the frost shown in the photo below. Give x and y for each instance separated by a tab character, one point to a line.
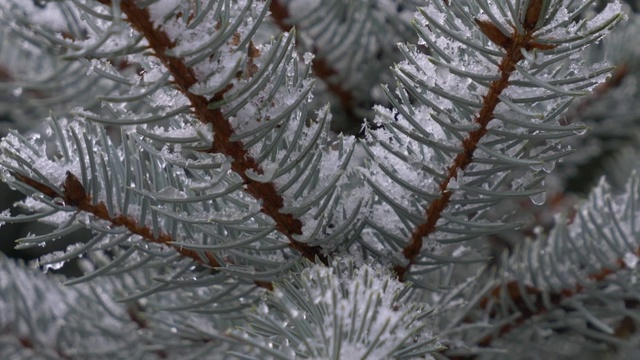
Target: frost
580	131
6	214
630	260
160	9
453	184
308	57
539	199
458	252
220	77
356	296
52	266
171	193
548	166
254	207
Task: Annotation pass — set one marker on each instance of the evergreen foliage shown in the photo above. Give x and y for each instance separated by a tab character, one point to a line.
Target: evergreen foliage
197	143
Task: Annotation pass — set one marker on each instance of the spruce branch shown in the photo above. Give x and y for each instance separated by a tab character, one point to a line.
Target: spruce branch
321	68
218	160
48	320
136	313
75	195
564	200
184	79
522	313
595	279
346	310
513	45
540	299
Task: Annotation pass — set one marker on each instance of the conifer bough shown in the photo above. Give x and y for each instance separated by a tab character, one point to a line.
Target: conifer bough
226	220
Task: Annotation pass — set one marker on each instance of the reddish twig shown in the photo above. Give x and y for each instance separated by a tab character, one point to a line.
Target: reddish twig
75	195
514	292
513	46
184	77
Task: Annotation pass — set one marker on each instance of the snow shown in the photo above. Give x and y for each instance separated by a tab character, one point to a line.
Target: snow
430	82
539	199
51	266
171	192
351	309
4	215
52	17
630	260
161	9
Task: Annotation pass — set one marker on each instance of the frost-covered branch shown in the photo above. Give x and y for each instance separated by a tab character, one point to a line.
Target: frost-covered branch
514	46
584	268
227	220
184	77
42	319
75	195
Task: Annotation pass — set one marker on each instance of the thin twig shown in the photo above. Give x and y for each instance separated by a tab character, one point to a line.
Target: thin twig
75	195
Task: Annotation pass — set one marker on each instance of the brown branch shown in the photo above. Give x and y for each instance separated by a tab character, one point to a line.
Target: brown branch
516	297
513	46
513	292
5	75
75	195
184	77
